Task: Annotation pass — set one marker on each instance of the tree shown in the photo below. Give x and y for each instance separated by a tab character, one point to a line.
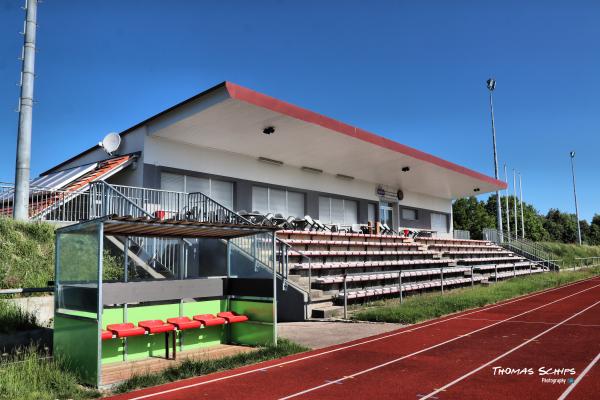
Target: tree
471	215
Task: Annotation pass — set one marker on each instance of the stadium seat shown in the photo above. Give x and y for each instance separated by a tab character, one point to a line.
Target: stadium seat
232	317
155	326
209	320
106	335
183	323
125	330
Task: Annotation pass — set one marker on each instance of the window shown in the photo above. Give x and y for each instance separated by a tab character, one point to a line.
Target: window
277	201
219	191
439	222
337	211
409	214
371	212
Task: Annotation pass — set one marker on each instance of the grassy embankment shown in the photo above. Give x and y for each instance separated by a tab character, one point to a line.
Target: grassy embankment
423	307
568	253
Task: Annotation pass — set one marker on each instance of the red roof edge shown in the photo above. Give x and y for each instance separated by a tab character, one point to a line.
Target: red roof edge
261	100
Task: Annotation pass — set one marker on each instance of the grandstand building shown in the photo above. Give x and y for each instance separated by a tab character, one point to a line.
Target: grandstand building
231	156
252	152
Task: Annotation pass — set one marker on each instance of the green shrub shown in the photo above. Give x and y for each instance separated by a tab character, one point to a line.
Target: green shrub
32	375
13	318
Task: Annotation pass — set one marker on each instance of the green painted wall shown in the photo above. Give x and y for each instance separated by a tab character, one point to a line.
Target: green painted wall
140	347
259	330
76	340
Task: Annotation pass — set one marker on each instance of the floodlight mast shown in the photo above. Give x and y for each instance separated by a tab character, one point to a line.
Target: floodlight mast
491	85
572	154
23	159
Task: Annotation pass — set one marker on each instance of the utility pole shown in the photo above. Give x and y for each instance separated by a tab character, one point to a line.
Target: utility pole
515	203
23	161
506	198
575	195
522	217
491	85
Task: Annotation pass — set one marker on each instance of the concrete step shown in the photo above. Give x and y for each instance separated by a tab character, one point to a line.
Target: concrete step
327	312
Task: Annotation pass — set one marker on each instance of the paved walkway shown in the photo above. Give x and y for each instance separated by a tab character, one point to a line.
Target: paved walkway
319	334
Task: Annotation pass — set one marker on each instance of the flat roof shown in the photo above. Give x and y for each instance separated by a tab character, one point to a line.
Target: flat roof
311	126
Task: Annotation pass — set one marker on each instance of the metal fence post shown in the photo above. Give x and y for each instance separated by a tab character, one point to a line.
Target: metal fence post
442	273
472	276
496	272
400	285
345	298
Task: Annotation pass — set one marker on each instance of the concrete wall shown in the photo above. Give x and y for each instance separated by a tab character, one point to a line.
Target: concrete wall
42	307
170	156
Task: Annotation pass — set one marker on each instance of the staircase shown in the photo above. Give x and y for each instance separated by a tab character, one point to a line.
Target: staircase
531	250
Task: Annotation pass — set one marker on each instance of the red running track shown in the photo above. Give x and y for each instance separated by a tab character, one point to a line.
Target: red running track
449	358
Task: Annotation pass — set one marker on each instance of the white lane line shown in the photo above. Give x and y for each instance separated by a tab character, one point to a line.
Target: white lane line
432	394
533	322
579	378
525	297
379	366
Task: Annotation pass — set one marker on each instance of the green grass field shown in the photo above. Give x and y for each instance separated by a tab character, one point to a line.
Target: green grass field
424	307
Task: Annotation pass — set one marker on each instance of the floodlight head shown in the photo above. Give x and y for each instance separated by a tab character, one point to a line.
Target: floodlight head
491	84
111	143
572	154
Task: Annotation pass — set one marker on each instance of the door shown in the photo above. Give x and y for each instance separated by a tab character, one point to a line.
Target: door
386	214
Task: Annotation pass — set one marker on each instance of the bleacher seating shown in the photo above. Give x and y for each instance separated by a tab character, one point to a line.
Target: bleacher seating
372	263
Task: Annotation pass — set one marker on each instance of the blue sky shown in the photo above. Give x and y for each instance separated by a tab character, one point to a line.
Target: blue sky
411	71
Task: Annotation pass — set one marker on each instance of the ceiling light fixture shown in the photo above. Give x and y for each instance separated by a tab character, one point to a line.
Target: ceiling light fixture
268	130
312	170
270	161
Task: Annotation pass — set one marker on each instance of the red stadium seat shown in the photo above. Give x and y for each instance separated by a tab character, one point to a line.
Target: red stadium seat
156	326
106	335
183	323
126	330
232	317
210	319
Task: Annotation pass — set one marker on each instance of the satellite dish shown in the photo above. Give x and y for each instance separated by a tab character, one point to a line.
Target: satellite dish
110	143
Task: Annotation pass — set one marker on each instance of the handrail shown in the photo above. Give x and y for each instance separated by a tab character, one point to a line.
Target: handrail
104	190
210	210
288	247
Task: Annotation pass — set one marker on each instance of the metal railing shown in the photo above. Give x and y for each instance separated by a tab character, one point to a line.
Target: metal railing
48	204
461	234
524	247
400	284
585	262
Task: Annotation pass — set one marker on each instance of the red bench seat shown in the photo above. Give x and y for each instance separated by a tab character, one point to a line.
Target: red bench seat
209	320
232	317
106	335
125	330
183	323
156	326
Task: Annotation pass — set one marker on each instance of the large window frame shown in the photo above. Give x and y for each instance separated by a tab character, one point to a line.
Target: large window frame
409	210
270	208
229	203
345	220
